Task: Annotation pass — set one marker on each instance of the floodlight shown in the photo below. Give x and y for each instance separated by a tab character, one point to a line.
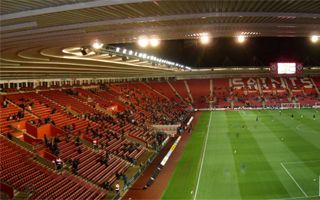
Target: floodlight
314	38
241	39
154	42
143	42
204	39
97	45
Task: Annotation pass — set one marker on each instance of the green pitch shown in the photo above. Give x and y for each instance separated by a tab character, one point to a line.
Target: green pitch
234	155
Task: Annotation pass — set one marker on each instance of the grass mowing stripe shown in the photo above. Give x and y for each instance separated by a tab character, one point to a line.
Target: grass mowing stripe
203	155
252	165
307	118
303	165
218	164
292	138
259	147
294	180
185	175
274	150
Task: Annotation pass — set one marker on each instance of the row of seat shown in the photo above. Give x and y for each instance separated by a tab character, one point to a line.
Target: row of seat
18	170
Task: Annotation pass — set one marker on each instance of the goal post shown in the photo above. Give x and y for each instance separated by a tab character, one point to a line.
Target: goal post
290	105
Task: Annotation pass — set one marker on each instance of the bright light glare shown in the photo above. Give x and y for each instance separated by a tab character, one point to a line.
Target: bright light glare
241	39
286	68
204	39
314	38
97	45
154	42
143	42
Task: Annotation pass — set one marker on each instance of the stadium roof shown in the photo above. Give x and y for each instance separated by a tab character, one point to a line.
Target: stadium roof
34	32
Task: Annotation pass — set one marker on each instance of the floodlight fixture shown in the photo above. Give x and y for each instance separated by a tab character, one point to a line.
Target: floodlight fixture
143	42
204	39
314	38
97	45
154	42
241	39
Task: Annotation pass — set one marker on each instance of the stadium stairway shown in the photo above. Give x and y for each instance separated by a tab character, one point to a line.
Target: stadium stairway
20	171
165	89
188	90
176	92
200	91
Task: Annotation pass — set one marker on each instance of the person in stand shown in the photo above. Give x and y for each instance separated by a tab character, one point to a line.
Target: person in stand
67	137
20	114
95	144
106	158
125	179
107	186
75	164
58	164
78	141
4	103
29	108
52	122
117	189
9	136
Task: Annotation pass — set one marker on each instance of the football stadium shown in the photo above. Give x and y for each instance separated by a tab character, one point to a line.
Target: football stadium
159	99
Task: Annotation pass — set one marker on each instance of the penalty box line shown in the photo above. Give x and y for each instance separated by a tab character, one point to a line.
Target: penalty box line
300	162
294	180
293	198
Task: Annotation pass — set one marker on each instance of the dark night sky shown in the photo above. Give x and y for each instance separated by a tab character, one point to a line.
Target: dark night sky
226	52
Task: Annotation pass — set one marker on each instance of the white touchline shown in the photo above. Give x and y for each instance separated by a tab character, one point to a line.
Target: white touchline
293	180
203	154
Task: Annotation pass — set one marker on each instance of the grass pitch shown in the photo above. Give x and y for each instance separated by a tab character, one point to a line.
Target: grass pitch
264	154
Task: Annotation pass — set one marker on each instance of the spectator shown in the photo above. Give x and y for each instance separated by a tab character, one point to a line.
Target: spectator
117	189
58	164
4	103
95	144
78	141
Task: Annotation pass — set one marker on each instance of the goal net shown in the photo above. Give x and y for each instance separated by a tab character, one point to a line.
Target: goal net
290	105
316	105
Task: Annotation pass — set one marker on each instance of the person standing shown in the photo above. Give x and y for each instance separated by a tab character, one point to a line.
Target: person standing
117	188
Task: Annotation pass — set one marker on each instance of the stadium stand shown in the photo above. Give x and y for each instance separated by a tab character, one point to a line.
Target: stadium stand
116	133
106	143
94	93
200	95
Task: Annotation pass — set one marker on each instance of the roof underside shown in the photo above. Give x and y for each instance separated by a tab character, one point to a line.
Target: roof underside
34	32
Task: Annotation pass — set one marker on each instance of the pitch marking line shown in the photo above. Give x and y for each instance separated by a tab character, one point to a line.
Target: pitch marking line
298	162
293	180
202	158
298	127
292	198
